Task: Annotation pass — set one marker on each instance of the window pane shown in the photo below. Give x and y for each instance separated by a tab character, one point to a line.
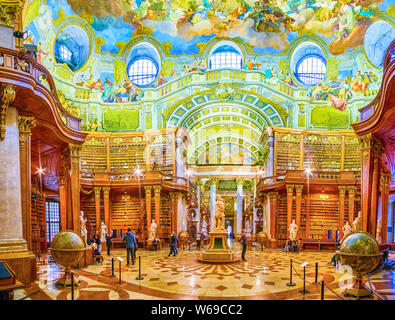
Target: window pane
311	70
225	59
142	72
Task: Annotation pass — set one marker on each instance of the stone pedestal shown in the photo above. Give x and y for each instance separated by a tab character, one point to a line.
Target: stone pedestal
218	250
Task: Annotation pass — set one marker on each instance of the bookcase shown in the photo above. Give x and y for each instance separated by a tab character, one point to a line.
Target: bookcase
288	151
352	158
324	215
281	217
125	212
93	157
165	216
39	221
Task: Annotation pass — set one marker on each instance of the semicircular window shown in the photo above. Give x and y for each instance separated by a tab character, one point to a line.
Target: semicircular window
72	46
143	64
142	72
225	56
308	63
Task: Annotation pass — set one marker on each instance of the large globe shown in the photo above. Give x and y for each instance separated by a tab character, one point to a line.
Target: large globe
67	248
361	251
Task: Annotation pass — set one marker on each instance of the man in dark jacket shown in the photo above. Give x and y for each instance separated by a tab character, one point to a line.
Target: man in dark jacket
108	243
173	243
243	241
129	240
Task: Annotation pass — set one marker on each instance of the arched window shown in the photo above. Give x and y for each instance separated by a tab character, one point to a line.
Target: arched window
143	63
308	63
225	56
143	72
311	70
72	46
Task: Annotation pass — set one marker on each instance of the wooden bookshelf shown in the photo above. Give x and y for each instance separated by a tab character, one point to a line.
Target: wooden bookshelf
125	212
38	219
324	215
282	217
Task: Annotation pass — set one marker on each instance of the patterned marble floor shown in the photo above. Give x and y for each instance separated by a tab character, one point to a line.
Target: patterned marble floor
264	276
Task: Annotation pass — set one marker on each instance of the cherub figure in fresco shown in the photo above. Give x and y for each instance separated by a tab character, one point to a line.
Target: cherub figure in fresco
40	53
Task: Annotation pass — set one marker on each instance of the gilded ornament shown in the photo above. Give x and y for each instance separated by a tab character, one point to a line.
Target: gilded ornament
7	98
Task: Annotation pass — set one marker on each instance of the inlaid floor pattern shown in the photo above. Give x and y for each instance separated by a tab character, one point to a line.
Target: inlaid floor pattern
264	276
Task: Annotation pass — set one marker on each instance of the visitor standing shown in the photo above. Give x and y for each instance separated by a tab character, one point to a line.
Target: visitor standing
173	243
243	241
198	241
98	242
108	243
129	240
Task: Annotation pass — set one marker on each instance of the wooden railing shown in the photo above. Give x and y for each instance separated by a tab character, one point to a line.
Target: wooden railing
25	66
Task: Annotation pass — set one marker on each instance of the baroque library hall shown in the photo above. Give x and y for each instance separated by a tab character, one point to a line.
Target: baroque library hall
197	150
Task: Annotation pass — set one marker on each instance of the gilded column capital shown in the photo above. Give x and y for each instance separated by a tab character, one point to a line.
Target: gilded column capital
385	179
342	191
106	191
240	181
173	195
351	191
290	188
148	190
272	195
213	182
157	189
199	182
26	124
298	188
75	149
8	97
9	11
61	181
97	191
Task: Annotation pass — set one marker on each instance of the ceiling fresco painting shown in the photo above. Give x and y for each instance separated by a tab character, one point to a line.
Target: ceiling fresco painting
162	61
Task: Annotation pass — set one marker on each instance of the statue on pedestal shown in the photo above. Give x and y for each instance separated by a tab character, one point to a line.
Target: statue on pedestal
152	230
248	228
83	231
219	216
293	230
347	229
378	232
103	232
357	224
204	227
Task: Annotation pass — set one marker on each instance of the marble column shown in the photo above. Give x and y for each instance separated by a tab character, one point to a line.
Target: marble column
13	246
239	205
254	210
367	144
351	204
290	190
75	159
173	203
107	215
180	166
298	189
25	124
62	203
385	194
97	207
270	163
198	188
372	222
273	213
181	212
148	196
342	196
157	190
213	193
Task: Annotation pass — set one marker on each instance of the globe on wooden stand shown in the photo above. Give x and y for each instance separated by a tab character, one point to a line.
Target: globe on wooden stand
67	249
361	251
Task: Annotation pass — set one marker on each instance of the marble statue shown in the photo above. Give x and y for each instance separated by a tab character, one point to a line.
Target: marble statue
248	227
347	229
204	227
219	215
378	232
357	224
103	232
293	230
152	230
83	231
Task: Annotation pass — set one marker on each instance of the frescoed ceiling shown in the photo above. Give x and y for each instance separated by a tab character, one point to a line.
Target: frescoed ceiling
268	26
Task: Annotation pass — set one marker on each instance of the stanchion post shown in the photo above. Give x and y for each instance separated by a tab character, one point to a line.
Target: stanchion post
112	268
322	289
120	281
72	285
304	280
316	273
290	283
139	277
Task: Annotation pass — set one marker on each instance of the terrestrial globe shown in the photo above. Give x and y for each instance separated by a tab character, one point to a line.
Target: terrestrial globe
184	236
361	251
67	249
